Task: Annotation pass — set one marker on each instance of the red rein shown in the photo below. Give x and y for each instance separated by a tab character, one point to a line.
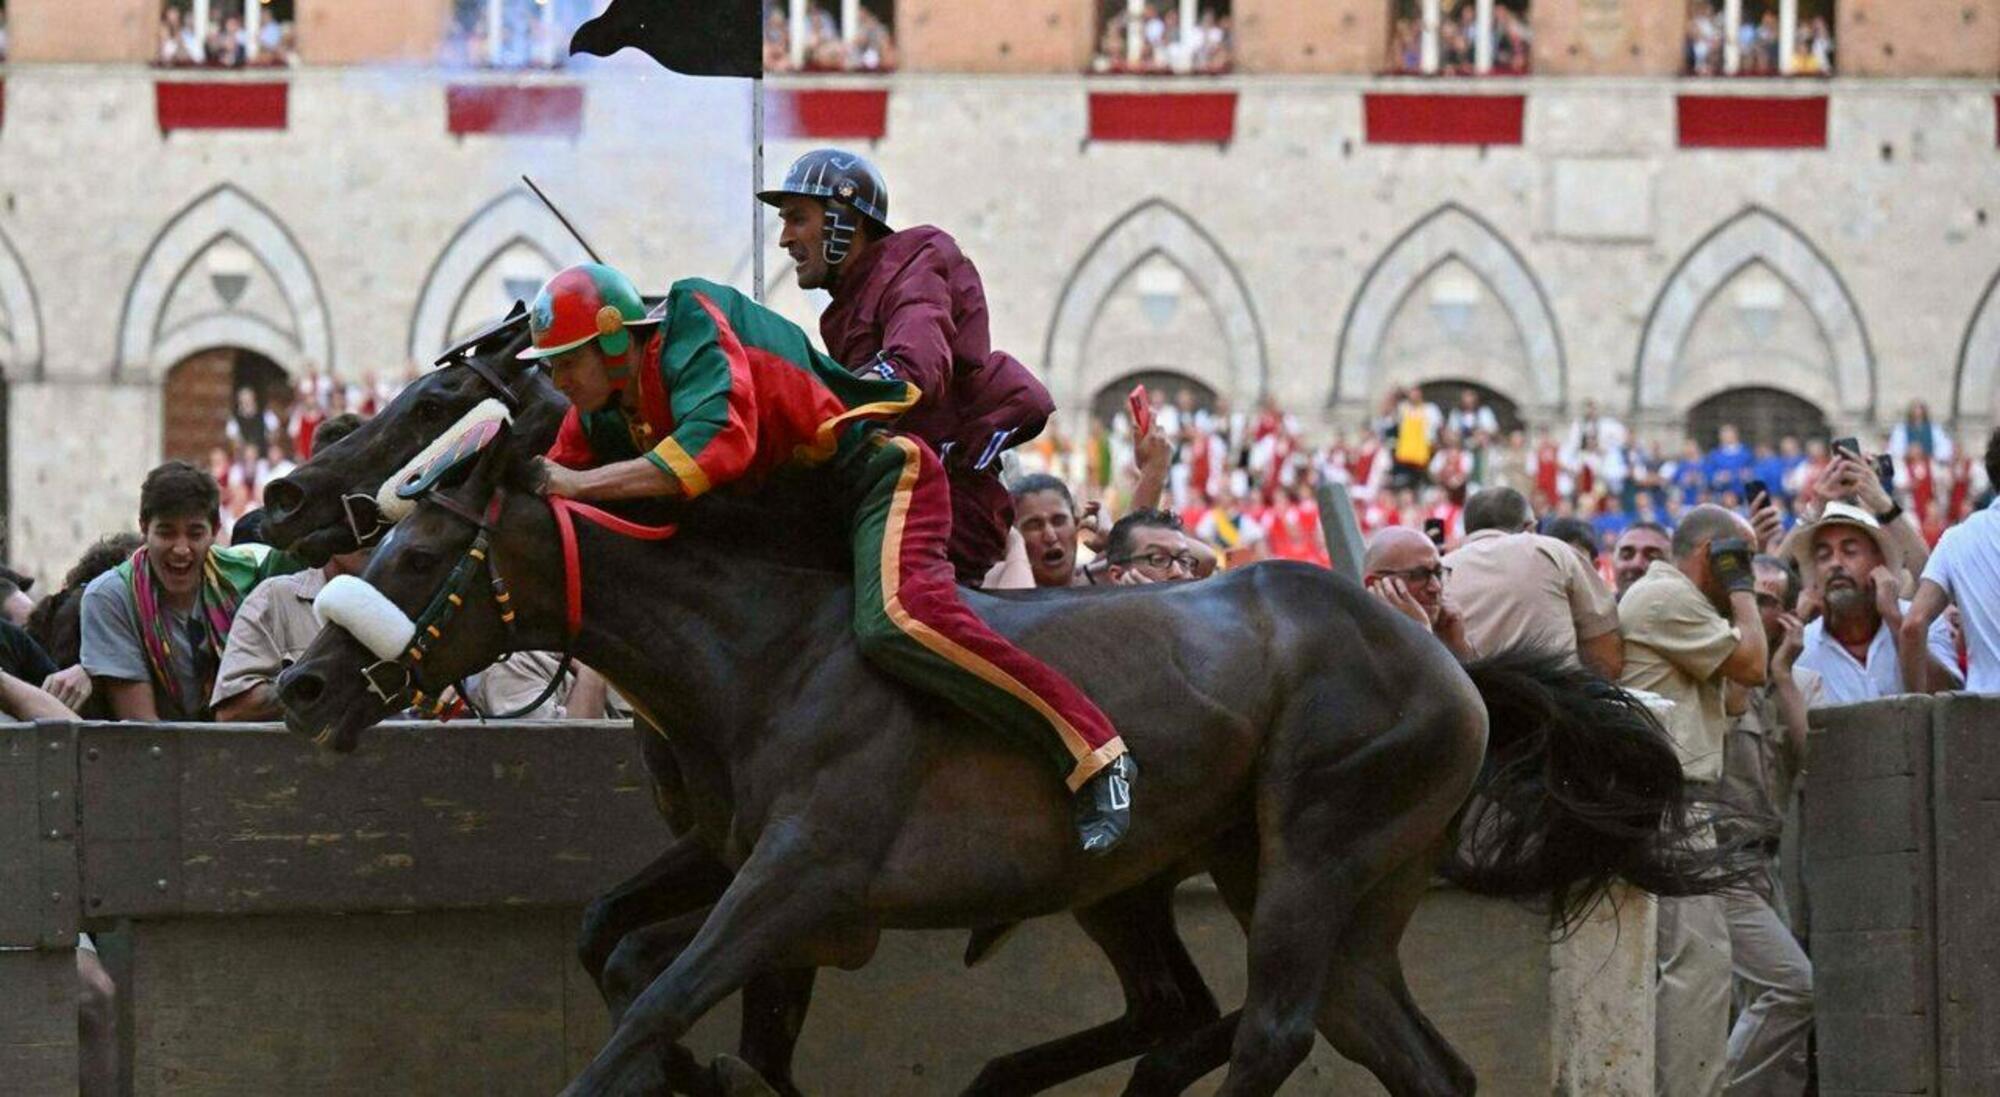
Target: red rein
566	511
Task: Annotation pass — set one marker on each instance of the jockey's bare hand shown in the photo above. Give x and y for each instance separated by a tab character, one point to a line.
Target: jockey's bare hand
554	479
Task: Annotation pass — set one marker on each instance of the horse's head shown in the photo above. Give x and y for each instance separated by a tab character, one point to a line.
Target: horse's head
327	505
430	610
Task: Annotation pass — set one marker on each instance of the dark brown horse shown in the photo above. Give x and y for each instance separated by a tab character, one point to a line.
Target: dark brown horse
1278	704
328	506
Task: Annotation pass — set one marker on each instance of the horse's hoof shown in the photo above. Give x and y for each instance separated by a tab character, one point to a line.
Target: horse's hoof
736	1078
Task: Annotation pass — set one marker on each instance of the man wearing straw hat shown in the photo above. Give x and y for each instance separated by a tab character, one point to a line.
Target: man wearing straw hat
1854	571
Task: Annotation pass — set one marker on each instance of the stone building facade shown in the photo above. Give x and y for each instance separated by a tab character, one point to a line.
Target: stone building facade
1305	253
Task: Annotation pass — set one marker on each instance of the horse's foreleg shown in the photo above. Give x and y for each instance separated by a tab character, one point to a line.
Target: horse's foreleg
686	877
780	898
1164	996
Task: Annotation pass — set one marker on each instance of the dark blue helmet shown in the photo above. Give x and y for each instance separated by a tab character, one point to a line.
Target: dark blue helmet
847	183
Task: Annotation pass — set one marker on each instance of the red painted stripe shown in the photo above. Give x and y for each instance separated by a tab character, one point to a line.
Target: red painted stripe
542	110
830	112
1204	117
1428	118
1752	121
221	104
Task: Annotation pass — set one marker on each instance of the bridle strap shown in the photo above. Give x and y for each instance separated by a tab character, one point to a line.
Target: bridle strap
486	374
566	511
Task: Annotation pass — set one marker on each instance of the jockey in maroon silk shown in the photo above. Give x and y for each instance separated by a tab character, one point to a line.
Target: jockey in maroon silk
909	306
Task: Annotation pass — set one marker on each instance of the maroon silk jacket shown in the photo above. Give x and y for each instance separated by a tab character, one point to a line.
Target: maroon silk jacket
912	308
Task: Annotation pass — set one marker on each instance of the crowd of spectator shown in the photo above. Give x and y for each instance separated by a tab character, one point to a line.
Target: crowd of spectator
228	41
1758	38
1161	43
1458	38
264	439
827	46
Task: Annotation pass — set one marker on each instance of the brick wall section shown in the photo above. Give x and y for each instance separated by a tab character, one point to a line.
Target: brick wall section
1284	36
995	35
1900	38
82	30
1607	37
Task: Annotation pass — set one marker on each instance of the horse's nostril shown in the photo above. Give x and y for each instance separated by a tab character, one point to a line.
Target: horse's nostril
281	497
296	688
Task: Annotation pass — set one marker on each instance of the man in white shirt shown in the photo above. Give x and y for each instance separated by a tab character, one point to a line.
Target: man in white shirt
1965	571
1854	571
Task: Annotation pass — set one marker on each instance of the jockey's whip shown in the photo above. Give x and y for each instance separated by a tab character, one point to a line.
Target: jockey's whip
587	249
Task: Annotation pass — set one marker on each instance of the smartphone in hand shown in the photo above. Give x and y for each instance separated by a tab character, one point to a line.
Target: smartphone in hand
1751	492
1850	444
1140	407
1885	471
1434	529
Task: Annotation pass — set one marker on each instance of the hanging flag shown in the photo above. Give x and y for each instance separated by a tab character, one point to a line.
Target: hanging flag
696	37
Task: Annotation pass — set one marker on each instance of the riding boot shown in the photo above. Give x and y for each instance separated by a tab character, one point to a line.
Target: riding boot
1104	806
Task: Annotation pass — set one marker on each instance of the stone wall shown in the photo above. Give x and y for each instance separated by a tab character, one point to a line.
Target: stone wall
1598	259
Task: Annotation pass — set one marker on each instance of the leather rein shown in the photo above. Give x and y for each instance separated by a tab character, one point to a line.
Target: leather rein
407	668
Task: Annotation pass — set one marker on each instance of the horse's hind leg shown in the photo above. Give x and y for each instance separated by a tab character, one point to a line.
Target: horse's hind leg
1368	1014
1165	996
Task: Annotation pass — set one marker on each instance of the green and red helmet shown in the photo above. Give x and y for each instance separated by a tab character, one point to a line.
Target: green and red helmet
584	302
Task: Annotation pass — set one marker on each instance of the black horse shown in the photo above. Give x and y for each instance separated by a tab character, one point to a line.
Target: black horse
327	506
1278	706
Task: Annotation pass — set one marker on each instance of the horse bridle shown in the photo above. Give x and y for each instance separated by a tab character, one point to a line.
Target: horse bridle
450	598
444	605
361	512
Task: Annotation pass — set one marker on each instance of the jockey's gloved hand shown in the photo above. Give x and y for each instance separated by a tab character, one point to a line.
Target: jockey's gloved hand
1104	806
1729	559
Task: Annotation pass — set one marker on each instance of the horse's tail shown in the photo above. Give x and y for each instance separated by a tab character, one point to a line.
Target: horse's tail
1581	787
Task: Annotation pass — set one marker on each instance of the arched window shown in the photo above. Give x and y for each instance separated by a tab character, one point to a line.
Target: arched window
1171	384
1761	415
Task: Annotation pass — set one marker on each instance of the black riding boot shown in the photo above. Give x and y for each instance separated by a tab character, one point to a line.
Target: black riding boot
1104	806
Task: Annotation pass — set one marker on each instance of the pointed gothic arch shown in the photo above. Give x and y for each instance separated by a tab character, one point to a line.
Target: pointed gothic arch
1975	392
1154	227
20	318
1447	233
298	340
1755	235
513	219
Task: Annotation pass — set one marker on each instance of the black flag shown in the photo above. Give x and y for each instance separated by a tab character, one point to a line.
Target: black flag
696	37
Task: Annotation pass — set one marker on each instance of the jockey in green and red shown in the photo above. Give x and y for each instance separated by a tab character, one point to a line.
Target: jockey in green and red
718	391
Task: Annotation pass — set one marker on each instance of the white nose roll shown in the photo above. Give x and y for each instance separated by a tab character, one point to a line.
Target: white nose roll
393	508
366	614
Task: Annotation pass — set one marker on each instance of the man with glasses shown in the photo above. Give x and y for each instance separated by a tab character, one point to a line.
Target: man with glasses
1148	546
1402	568
1518	588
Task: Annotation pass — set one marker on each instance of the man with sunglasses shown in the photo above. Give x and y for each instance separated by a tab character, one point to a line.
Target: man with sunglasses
1403	569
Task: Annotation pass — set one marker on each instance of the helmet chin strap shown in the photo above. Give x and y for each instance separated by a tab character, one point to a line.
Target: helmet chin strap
619	367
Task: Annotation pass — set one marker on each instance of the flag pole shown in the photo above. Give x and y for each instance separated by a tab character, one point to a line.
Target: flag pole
756	184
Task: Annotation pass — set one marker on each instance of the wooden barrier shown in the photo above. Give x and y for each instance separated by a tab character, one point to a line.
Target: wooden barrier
1900	830
402	920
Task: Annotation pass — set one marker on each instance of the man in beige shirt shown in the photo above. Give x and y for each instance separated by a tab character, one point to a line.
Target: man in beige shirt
1517	588
1680	644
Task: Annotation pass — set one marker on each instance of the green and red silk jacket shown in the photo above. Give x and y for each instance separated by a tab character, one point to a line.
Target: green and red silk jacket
729	391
